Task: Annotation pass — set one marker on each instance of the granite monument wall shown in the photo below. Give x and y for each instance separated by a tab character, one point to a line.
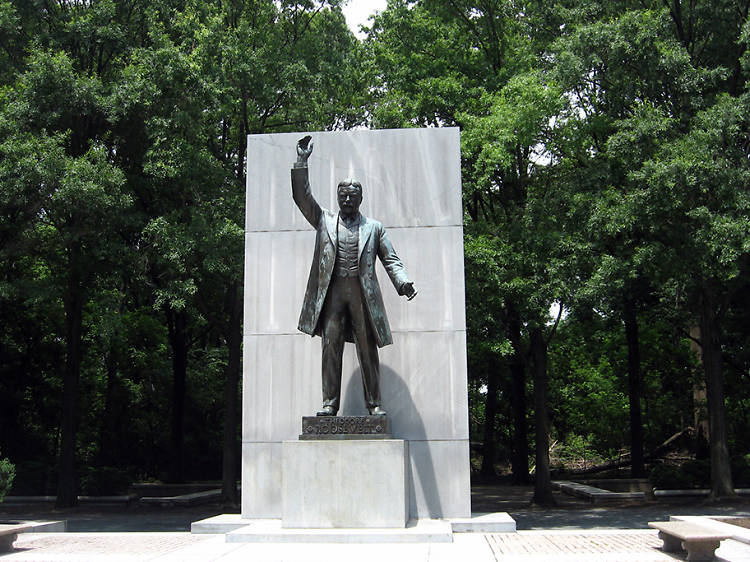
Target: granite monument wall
412	184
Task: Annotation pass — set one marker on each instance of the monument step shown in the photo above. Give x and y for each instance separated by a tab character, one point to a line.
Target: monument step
499	522
220	524
271	531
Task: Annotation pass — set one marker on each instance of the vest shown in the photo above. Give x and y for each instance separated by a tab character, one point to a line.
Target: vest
347	251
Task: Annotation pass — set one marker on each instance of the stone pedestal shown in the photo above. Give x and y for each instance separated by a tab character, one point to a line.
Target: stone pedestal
339	484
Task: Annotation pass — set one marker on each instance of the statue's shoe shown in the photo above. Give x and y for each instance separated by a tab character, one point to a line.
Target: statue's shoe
326	411
377	411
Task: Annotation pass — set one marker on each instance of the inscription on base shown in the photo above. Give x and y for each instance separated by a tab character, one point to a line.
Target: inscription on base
345	427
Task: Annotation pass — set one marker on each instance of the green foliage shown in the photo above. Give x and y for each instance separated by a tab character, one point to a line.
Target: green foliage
7	474
690	474
104	481
588	388
517	115
574	451
696	474
741	471
701	178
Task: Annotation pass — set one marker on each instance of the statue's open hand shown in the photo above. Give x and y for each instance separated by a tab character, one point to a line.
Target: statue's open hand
304	148
408	290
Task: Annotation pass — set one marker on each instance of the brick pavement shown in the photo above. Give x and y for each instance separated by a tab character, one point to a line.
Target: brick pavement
577	546
514	544
94	547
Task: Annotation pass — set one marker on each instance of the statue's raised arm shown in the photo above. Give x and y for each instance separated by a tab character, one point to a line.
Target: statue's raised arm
301	184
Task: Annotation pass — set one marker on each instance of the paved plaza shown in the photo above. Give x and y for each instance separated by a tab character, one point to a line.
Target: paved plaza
573	531
523	546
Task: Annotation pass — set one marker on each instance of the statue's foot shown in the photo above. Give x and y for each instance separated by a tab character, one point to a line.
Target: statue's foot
377	411
326	411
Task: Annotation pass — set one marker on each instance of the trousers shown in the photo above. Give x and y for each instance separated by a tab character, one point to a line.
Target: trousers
344	308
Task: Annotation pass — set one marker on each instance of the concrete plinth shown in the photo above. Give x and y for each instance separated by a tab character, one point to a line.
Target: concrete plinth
499	522
345	484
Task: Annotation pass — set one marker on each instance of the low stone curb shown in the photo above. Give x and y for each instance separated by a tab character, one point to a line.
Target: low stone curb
595	495
89	500
693	492
196	498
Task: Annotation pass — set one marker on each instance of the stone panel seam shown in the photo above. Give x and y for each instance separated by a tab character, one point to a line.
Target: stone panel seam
389	227
298	333
456	440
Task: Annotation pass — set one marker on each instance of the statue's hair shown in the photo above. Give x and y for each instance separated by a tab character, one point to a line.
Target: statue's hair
350	182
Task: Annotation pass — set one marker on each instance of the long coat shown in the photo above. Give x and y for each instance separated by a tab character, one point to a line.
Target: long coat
373	241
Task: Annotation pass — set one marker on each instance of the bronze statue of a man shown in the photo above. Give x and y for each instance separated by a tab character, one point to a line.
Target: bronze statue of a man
343	300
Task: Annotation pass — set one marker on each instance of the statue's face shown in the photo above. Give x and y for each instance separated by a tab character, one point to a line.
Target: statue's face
350	198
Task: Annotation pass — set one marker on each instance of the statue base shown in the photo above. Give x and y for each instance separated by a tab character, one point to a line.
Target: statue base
345	427
345	483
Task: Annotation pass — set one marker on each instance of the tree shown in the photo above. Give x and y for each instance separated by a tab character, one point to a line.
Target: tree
635	82
701	180
73	200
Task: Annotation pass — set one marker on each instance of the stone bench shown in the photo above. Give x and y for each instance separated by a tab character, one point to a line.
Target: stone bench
9	533
699	542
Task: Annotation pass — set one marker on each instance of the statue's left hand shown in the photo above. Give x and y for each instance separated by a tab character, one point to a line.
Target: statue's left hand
408	290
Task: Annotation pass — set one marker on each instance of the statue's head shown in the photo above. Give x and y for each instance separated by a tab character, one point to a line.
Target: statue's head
350	196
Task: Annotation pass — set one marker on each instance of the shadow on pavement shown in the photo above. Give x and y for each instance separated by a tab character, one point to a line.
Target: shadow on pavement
577	513
570	512
115	519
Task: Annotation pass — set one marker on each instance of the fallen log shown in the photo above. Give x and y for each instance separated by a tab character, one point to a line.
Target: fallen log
625	460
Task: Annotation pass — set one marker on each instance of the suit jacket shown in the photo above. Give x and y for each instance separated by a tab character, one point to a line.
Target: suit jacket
373	242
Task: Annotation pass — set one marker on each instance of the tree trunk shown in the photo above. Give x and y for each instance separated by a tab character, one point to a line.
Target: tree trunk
67	485
700	417
229	494
542	478
177	328
520	454
637	468
109	423
721	475
487	472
